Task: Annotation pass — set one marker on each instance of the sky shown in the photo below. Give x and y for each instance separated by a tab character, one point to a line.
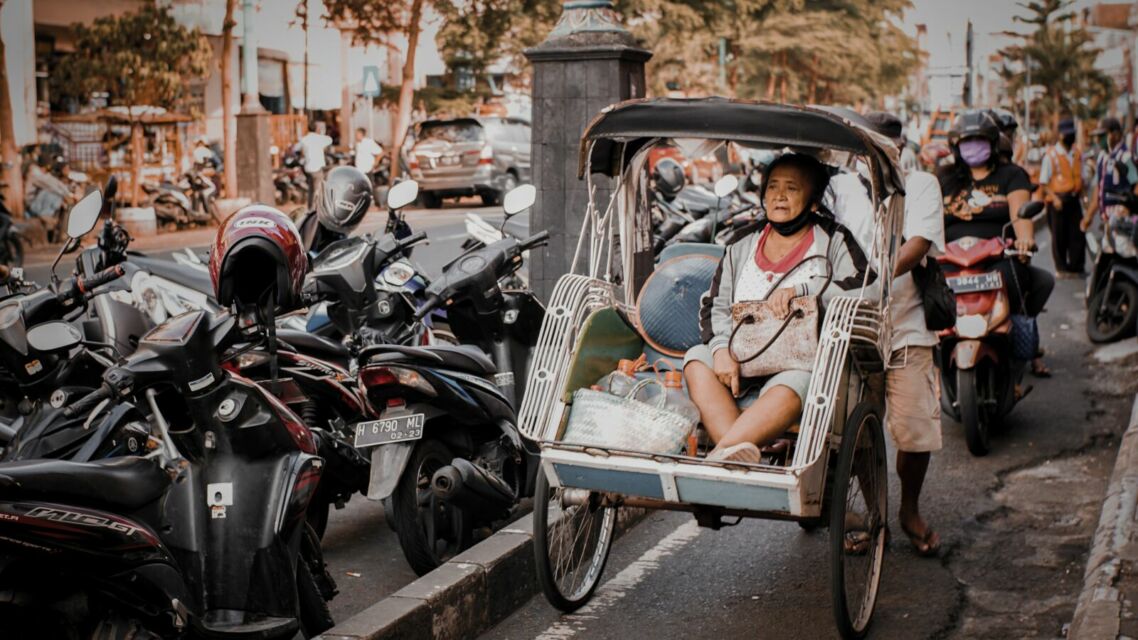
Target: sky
946	21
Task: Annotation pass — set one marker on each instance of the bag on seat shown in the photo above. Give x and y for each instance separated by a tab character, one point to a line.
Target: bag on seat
602	419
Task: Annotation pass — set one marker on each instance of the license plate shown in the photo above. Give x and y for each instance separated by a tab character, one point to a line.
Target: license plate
449	161
977	282
391	429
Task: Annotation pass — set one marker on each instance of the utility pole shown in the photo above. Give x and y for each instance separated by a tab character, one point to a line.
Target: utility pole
252	102
723	65
254	163
969	83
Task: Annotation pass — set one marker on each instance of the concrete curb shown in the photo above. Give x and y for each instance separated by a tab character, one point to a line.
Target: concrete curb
1114	552
468	595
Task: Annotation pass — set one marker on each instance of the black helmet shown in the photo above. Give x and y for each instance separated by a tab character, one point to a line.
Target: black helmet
668	177
1005	120
344	199
975	123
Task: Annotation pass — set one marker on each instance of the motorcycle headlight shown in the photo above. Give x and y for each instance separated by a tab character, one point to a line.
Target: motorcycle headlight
971	326
1123	244
398	274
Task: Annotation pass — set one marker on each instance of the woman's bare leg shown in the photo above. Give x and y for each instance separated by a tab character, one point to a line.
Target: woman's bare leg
717	409
768	418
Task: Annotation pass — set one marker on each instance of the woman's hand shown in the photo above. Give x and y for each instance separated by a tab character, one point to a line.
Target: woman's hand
727	370
780	301
1025	245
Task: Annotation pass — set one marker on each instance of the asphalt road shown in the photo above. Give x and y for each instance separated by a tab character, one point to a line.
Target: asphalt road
1016	526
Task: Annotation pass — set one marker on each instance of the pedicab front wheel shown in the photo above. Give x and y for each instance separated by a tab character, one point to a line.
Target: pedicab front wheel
571	541
857	520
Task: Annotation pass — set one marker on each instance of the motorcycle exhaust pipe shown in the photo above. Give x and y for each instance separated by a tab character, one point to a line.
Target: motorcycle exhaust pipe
473	489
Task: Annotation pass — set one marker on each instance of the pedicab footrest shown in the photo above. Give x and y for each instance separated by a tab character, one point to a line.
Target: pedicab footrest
671	481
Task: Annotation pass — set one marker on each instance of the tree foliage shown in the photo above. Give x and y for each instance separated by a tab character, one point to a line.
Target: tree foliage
1062	58
790	50
142	58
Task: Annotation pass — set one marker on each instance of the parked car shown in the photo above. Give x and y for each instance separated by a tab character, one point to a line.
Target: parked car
483	156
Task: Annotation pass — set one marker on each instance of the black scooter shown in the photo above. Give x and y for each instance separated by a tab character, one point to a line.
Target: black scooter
205	535
1112	289
447	455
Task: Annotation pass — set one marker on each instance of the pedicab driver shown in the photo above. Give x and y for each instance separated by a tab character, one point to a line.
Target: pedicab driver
912	382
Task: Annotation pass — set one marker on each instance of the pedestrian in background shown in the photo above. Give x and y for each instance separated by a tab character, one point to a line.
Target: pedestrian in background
312	146
367	151
912	381
1115	171
1062	180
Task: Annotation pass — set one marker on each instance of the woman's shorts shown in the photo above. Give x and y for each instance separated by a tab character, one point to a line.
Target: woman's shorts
796	380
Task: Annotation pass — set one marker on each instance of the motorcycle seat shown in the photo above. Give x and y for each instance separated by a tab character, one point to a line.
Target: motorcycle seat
314	345
180	274
128	482
465	358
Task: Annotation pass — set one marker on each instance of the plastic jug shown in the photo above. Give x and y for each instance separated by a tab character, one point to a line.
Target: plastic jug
678	401
621	381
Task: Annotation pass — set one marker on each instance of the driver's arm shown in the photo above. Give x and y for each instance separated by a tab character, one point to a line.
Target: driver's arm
1024	229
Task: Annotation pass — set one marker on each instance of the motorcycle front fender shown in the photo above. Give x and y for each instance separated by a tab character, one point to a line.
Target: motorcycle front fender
968	353
387	464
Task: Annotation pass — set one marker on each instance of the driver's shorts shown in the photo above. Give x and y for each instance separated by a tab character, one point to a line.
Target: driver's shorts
912	400
796	380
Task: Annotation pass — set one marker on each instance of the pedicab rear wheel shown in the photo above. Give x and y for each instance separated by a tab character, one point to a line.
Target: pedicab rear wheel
858	514
571	545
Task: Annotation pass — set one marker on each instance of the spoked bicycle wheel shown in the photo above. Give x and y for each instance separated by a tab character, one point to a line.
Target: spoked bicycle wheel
571	544
858	512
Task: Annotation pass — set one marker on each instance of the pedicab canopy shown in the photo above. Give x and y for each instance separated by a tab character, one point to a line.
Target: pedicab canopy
620	130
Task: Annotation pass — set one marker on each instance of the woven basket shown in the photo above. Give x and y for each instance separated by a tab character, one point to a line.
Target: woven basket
600	419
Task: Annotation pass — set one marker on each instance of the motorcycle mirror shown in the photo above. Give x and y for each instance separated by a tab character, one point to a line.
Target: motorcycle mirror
519	199
726	185
84	215
402	194
53	336
1030	209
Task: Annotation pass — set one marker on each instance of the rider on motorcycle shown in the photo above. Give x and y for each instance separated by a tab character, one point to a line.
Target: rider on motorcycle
981	195
343	201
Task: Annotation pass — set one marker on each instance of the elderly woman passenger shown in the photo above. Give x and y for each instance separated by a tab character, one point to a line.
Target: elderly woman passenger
796	227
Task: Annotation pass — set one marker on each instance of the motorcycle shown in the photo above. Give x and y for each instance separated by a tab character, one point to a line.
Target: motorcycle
448	417
1112	289
204	535
191	201
978	378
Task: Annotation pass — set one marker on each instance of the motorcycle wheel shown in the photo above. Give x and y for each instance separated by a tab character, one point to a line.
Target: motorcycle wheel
118	628
494	199
14	252
430	532
430	200
1113	319
312	601
972	415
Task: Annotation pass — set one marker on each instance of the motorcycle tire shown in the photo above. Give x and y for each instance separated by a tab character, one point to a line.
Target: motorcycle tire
312	601
1122	316
118	628
317	516
972	416
407	502
430	200
13	252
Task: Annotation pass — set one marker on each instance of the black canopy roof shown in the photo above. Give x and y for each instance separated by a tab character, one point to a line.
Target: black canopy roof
621	129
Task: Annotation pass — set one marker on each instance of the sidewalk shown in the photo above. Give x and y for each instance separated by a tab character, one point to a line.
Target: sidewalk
1110	588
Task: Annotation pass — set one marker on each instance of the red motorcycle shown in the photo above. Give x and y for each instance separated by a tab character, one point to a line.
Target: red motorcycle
978	379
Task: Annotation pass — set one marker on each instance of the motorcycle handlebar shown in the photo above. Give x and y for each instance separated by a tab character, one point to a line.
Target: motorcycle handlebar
88	401
538	239
429	306
82	285
413	239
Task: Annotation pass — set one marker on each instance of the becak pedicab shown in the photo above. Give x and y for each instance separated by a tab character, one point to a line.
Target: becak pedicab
619	301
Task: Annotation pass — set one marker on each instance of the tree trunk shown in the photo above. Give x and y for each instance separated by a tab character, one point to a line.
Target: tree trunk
135	161
9	152
813	95
407	90
772	77
228	119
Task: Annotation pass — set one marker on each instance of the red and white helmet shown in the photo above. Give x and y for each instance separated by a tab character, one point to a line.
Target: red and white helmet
258	249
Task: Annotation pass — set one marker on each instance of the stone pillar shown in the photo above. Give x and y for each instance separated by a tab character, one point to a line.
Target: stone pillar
587	62
254	137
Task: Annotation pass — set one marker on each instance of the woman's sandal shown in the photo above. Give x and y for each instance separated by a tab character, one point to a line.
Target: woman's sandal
926	546
1039	369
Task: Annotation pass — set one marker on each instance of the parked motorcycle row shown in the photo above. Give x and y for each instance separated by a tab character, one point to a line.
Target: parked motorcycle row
172	447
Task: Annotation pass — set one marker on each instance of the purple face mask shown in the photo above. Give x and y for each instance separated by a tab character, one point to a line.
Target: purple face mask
976	152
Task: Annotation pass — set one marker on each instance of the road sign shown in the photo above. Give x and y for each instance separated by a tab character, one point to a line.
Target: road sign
371	84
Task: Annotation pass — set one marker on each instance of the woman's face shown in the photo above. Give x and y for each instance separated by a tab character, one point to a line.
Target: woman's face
788	191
